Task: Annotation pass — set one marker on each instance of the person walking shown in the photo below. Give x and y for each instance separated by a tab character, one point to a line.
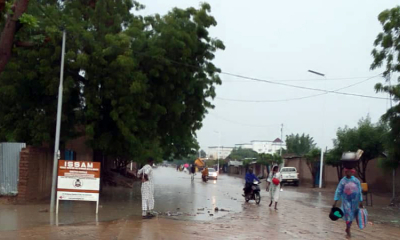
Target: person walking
146	174
274	181
350	192
193	171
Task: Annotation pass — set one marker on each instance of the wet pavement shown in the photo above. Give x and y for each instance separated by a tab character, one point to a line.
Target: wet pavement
187	211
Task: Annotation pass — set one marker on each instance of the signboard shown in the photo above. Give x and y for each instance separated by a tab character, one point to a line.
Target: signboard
78	181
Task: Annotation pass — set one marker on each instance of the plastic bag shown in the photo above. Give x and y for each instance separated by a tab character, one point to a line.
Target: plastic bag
362	218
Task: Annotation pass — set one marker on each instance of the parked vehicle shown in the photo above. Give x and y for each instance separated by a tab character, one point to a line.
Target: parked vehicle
255	193
290	175
212	173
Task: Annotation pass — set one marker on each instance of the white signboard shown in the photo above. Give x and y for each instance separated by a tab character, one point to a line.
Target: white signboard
78	181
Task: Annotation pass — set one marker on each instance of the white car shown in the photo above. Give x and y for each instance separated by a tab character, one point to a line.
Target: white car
290	175
212	173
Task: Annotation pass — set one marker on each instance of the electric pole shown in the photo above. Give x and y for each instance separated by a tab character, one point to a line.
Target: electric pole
388	78
58	127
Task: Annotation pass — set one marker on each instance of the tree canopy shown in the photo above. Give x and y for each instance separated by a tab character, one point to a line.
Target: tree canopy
312	160
299	144
269	159
386	54
243	153
134	85
367	136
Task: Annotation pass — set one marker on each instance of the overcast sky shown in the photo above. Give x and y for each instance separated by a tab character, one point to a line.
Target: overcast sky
282	40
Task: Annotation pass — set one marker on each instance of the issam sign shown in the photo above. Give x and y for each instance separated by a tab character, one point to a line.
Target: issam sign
78	181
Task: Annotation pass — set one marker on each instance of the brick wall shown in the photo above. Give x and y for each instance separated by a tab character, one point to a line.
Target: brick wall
35	174
78	145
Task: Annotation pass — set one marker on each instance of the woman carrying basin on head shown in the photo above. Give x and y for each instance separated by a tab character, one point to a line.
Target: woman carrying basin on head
349	191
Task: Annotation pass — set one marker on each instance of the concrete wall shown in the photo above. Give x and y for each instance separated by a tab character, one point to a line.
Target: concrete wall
378	180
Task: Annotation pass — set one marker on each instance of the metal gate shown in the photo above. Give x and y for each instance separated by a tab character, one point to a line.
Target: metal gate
9	167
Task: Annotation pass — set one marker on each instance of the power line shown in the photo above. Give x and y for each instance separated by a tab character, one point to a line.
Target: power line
301	87
272	82
302	80
252	78
300	98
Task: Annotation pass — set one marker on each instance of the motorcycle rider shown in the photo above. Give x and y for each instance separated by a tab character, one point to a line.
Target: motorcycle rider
250	177
204	174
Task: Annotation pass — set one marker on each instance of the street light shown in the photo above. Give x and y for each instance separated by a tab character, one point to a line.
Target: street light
219	146
322	151
58	127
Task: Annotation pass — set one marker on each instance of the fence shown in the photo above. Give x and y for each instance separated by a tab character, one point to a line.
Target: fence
9	167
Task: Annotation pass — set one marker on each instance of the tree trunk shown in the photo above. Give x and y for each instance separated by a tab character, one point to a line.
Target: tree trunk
8	33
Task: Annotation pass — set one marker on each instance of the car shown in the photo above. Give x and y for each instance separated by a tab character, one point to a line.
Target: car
212	173
290	175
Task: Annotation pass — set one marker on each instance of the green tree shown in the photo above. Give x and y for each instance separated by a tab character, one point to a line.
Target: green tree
386	54
134	85
312	160
332	158
242	154
369	137
12	19
203	154
299	144
269	159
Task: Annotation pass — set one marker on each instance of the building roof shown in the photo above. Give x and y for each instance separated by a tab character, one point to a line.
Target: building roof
221	147
277	140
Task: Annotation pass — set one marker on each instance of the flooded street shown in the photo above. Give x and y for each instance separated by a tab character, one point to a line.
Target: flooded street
186	210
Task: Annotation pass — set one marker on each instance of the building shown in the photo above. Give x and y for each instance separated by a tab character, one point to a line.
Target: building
263	146
244	145
224	152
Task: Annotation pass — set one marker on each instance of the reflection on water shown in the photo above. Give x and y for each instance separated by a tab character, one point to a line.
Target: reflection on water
174	192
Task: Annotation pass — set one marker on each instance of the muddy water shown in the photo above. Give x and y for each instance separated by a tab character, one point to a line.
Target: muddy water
303	214
176	196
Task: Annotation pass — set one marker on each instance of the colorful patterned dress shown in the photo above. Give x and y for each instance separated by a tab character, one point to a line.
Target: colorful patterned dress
349	191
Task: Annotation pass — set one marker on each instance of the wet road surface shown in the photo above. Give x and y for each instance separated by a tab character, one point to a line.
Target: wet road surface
302	214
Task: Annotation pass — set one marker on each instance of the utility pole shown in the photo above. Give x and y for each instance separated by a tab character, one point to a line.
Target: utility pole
321	163
394	170
219	148
280	151
58	127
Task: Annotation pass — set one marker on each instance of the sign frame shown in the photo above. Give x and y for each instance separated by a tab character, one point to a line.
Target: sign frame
78	181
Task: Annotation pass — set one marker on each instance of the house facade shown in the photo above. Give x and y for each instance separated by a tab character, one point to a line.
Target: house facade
264	146
221	151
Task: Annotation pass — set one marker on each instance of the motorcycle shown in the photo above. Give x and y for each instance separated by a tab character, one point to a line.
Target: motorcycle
205	178
254	194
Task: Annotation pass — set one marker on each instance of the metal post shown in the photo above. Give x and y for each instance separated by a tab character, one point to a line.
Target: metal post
219	147
58	126
280	152
394	170
320	168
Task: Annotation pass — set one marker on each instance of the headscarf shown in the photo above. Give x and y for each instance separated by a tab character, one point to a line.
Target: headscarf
352	170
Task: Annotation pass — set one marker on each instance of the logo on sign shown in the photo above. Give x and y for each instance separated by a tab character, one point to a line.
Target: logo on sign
77	183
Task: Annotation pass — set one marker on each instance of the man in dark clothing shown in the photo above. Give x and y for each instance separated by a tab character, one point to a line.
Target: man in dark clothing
250	177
